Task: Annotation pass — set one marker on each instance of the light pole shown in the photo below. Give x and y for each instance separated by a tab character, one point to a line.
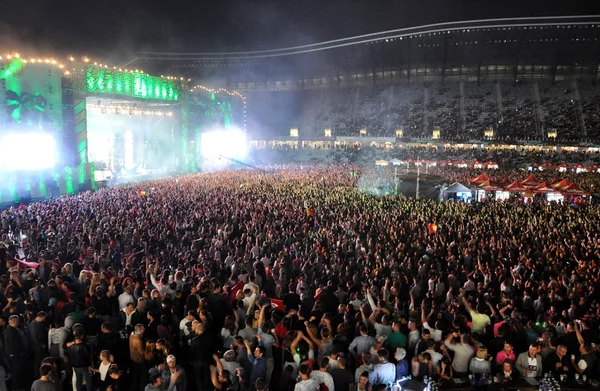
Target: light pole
418	179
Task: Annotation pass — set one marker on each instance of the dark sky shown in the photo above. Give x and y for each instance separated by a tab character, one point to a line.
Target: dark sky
116	29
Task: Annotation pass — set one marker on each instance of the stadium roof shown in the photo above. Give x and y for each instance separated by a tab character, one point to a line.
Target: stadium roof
551	42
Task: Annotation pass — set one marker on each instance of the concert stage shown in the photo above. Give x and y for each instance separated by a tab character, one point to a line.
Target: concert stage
62	121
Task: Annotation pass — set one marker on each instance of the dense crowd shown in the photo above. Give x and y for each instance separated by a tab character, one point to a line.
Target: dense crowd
523	110
292	280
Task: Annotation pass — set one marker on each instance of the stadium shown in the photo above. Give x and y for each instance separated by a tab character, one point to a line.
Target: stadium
414	208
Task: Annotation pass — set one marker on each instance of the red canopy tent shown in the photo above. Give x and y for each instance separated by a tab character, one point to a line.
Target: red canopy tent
516	187
479	179
531	181
547	166
477	164
560	185
448	162
463	164
574	190
543	188
488	186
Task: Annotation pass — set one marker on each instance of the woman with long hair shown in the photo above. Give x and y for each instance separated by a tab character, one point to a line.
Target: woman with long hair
229	331
150	355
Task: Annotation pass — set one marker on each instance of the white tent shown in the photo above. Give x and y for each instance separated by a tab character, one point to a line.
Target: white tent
457	187
396	162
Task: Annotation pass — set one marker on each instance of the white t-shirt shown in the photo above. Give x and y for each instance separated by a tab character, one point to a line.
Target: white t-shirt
103	369
435	334
532	362
323	377
306	385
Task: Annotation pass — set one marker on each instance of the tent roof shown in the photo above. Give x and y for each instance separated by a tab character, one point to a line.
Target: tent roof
457	187
488	186
516	187
573	189
480	178
531	181
543	188
560	184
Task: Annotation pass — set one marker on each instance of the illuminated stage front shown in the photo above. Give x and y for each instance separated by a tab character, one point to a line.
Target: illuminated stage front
131	137
65	117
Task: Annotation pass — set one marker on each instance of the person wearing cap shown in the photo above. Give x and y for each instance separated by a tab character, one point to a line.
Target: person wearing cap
173	376
402	367
230	364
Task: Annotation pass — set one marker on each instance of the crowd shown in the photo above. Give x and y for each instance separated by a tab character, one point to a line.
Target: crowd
520	111
292	280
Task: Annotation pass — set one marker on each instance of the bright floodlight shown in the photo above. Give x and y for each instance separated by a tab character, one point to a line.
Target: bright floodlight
27	151
224	143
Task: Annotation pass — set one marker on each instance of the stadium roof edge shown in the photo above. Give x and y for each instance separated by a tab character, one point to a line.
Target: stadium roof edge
441	28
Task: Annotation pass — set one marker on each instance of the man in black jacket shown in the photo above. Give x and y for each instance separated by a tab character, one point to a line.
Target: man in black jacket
16	347
202	349
80	358
38	340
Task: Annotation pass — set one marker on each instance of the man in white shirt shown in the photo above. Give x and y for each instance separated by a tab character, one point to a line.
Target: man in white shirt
266	261
385	371
435	356
463	352
322	376
305	383
183	325
126	297
363	343
413	336
249	297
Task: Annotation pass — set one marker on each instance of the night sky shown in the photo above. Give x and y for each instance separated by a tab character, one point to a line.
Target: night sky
116	29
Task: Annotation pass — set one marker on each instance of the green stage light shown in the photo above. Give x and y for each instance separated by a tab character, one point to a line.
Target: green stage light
133	84
13	68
